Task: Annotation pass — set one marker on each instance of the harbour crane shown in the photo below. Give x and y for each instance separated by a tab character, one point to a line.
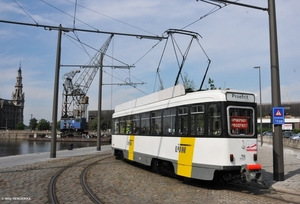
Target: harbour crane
74	97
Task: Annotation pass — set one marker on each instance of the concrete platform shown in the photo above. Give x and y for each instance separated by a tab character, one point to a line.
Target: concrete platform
16	160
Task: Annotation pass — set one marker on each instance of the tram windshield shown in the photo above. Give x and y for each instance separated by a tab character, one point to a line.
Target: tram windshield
240	121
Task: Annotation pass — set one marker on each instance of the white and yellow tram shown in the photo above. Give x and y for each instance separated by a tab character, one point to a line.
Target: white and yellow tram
201	135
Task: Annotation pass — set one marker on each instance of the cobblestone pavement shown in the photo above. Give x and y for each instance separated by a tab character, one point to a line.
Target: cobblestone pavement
115	181
288	189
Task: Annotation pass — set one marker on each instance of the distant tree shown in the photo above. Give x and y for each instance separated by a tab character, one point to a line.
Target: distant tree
93	124
58	125
33	124
43	125
20	126
188	83
104	125
211	84
108	125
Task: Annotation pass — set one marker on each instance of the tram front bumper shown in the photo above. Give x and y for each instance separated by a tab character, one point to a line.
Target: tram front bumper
251	172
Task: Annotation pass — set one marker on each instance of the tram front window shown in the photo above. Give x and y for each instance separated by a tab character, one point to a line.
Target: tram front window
116	126
240	121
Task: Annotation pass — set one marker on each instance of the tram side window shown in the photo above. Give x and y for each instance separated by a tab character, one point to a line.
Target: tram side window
145	123
136	124
183	121
116	129
214	119
128	125
241	121
169	117
197	120
156	122
122	125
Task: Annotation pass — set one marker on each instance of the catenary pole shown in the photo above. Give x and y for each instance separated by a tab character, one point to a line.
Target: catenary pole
55	96
99	104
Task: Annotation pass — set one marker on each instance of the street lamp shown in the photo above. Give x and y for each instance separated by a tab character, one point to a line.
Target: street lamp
261	136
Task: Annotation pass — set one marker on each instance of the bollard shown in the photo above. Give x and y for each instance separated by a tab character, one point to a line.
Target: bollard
70	147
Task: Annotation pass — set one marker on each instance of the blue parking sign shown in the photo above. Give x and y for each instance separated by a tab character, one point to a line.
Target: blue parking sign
278	115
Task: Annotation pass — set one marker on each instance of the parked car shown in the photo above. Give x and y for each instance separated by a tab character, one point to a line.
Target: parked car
267	133
295	137
288	134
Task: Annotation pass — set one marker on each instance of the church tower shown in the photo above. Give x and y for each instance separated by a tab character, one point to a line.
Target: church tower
18	97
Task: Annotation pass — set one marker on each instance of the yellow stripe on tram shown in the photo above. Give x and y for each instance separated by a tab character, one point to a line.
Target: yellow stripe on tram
185	156
131	147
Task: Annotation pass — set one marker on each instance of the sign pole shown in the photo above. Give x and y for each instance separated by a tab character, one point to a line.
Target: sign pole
278	165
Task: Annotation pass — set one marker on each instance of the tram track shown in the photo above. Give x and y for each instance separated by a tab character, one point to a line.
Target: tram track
84	184
78	170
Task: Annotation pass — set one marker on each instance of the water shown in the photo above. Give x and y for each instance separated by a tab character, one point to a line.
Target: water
10	147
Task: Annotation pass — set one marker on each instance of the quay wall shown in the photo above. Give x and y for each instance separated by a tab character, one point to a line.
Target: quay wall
22	134
25	134
45	136
287	142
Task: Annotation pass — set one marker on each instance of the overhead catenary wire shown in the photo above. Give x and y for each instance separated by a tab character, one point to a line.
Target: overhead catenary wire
83	47
114	59
76	34
89	9
75	9
147	52
73	17
215	9
112	18
97	50
121	79
25	12
80	45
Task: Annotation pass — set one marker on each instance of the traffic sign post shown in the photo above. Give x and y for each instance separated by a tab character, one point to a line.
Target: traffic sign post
278	115
278	121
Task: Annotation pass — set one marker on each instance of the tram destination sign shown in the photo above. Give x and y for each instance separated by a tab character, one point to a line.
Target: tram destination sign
241	97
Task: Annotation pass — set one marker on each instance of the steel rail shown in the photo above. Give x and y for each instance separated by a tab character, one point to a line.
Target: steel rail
51	192
83	181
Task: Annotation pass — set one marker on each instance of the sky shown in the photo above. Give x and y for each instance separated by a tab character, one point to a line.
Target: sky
234	38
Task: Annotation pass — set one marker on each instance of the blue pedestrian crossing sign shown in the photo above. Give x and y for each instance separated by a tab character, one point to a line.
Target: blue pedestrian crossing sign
278	115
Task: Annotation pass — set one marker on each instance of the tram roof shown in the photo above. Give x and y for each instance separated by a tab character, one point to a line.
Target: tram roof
173	96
